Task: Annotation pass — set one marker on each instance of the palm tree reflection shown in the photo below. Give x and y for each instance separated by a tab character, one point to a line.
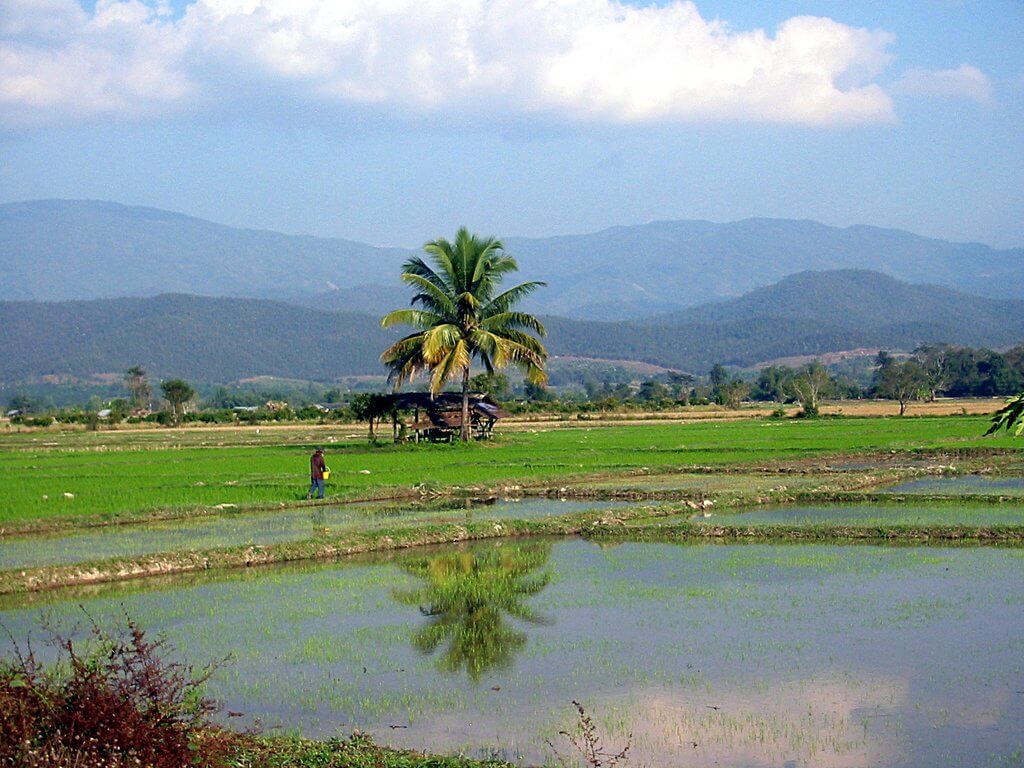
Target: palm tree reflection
466	595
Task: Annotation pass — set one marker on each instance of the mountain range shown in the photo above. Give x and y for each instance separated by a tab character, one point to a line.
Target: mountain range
60	250
226	339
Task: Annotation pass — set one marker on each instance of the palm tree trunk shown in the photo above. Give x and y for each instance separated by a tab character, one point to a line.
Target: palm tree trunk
465	404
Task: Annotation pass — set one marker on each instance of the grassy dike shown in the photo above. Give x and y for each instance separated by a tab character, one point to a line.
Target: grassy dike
356	752
599	525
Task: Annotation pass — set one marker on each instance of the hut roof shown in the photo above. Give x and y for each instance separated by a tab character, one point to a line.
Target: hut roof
447	403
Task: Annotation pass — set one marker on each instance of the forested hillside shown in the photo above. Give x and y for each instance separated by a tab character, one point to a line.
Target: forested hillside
195	337
227	339
859	299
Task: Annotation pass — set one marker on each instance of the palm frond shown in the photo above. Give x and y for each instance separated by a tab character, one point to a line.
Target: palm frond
415	265
439	340
404	359
414	317
490	345
504	301
1010	417
431	296
403	346
525	340
443	254
456	359
514	321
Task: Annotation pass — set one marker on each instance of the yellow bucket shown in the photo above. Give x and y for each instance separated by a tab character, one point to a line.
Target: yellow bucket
327	474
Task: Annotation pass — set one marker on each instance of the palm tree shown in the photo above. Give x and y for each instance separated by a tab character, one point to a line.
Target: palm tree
462	317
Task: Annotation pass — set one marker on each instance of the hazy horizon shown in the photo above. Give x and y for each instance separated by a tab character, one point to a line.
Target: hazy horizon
508	235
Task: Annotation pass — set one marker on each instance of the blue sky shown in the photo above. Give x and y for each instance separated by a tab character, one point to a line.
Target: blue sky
394	122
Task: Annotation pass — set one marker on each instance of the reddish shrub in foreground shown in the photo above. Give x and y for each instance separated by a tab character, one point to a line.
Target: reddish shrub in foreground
120	702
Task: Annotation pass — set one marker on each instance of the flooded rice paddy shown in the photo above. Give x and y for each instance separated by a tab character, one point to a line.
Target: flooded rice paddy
727	655
866	515
964	485
263	529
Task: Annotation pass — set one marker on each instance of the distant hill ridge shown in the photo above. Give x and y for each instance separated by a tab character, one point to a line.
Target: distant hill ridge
67	250
217	339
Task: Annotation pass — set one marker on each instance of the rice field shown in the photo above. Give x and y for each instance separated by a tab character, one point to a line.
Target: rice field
730	655
53	476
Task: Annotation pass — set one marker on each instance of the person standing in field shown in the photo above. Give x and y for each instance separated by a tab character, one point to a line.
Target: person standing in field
317	465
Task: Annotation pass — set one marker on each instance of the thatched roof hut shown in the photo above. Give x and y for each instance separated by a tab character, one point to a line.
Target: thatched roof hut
439	417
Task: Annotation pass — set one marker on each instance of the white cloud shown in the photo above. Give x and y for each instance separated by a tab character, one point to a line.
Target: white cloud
964	82
582	60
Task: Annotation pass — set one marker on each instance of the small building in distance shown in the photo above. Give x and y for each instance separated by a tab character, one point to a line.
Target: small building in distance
438	418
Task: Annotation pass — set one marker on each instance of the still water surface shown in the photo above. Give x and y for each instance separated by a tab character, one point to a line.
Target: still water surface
726	655
264	528
963	485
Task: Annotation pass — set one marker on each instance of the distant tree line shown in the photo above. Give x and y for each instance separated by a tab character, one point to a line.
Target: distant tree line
931	371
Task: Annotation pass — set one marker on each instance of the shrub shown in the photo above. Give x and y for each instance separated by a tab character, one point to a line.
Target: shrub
33	421
113	700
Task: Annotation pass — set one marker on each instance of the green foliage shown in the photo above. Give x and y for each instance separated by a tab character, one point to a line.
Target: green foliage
137	382
537	393
25	404
495	384
370	407
359	751
774	384
1010	417
809	385
981	372
652	390
901	381
726	389
29	420
119	410
178	393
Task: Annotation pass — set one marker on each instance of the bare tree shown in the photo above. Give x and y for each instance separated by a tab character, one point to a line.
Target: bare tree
934	361
810	385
